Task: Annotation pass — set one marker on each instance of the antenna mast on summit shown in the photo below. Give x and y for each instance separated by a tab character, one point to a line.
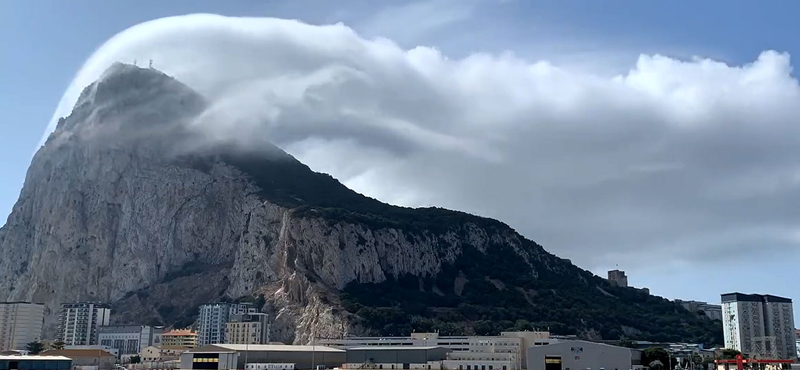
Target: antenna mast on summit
134	62
151	63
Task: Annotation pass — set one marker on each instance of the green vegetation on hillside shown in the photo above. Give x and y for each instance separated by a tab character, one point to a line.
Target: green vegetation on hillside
500	290
500	294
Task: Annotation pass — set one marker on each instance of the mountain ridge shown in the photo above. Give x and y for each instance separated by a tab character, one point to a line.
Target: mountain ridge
116	208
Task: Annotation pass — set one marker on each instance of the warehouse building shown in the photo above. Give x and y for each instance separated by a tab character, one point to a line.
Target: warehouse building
395	357
580	355
234	356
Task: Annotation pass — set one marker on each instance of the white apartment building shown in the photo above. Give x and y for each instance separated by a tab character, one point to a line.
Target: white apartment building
214	317
252	328
508	349
80	322
130	339
760	325
20	324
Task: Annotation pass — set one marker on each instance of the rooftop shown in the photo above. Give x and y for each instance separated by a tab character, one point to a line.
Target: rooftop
263	348
72	353
394	348
38	358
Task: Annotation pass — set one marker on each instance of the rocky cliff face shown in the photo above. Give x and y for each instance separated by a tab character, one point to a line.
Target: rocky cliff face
115	208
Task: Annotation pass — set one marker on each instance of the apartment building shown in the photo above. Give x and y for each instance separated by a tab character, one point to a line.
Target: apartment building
214	317
180	338
79	322
130	339
20	324
252	328
759	325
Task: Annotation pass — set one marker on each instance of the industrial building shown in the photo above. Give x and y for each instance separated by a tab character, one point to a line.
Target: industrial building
36	362
759	325
507	349
578	354
79	322
234	356
20	324
396	357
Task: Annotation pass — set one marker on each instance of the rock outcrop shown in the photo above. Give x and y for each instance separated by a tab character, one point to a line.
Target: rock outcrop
121	206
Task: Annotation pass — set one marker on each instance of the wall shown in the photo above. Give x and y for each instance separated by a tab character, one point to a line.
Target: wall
578	355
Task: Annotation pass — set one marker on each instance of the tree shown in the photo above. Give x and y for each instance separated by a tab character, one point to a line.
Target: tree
729	354
658	355
34	348
626	342
58	344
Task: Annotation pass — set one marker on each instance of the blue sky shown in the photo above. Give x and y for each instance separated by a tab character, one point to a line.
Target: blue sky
48	41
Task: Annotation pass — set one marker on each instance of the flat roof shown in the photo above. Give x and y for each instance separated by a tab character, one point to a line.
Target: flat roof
739	297
266	348
37	358
394	348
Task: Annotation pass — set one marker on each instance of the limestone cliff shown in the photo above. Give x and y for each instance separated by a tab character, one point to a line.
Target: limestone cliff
120	206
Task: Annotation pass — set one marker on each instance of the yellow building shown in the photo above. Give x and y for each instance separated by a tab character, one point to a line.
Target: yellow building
179	338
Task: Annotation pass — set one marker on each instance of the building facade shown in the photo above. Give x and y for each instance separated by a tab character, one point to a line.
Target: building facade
20	324
618	277
214	317
396	357
251	328
760	325
507	349
130	339
79	322
180	338
579	354
711	311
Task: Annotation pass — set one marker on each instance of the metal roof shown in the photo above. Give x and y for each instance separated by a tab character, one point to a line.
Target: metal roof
38	358
397	348
265	348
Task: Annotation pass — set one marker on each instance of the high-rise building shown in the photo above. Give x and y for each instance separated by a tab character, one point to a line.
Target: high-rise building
130	339
80	322
618	277
180	338
20	324
213	318
760	325
252	328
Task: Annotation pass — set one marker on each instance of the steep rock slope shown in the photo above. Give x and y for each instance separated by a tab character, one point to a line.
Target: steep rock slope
121	205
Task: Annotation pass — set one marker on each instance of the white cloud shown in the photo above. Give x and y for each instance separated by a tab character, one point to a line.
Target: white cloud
691	157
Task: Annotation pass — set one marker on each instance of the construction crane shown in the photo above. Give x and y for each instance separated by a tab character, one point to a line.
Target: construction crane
740	361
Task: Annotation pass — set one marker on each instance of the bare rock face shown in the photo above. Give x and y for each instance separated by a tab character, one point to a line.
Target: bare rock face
112	211
127	204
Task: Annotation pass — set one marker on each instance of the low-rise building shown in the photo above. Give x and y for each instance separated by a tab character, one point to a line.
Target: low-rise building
98	358
579	354
130	339
162	353
20	324
234	356
108	349
180	338
35	362
394	357
511	342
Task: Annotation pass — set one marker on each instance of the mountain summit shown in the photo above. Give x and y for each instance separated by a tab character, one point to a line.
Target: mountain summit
120	205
